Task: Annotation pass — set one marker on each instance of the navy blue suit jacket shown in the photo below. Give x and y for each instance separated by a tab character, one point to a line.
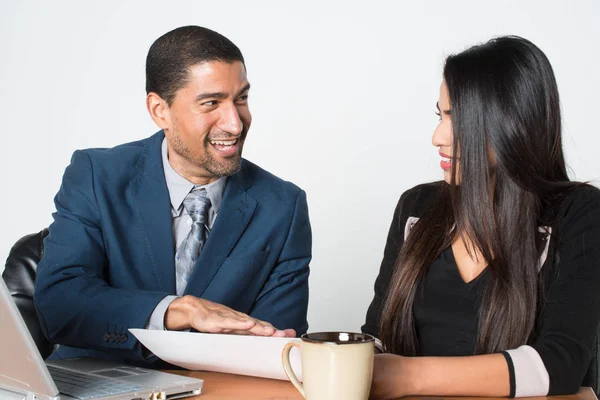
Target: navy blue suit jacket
109	258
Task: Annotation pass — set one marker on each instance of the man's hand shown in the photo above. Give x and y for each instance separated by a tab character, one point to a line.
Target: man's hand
205	316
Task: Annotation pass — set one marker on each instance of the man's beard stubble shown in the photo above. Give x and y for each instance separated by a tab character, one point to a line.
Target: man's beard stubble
217	168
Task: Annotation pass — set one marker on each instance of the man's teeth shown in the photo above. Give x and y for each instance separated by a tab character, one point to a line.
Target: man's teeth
223	142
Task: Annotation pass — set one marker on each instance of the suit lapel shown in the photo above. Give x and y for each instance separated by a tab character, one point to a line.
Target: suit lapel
151	197
236	211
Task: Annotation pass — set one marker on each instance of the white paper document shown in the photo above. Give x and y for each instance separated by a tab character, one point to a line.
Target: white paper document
233	354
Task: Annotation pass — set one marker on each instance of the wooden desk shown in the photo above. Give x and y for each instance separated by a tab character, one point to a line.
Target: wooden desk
219	386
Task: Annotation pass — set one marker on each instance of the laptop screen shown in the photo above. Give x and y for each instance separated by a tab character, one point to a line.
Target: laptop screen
22	369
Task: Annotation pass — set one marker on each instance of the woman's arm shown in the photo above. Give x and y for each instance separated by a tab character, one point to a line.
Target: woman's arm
393	244
396	376
570	317
411	204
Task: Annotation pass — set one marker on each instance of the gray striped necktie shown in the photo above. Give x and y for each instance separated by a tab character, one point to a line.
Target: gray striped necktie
196	204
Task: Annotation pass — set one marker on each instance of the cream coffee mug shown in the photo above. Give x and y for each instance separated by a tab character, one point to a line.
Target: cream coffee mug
335	365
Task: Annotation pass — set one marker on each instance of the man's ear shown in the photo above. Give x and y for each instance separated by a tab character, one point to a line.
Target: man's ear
159	110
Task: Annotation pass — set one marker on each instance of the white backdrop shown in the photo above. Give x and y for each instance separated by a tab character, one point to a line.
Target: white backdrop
343	98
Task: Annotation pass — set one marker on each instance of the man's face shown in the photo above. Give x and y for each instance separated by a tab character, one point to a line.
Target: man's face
208	120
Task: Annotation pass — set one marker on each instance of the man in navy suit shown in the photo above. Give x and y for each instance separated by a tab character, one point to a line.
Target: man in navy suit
109	262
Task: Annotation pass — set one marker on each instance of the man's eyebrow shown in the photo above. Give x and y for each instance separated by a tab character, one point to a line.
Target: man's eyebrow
220	95
216	95
244	89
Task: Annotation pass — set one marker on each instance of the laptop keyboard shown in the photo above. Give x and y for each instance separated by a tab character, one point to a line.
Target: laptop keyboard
84	386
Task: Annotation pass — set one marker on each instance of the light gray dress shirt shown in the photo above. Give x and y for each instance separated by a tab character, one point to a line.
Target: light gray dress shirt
179	187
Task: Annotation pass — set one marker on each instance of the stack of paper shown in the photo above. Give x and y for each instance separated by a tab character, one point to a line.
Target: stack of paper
233	354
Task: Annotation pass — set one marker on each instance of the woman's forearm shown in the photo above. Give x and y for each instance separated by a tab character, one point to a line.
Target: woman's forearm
396	376
485	375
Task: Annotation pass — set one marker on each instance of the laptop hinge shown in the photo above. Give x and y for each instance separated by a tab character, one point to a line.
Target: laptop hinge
32	396
10	395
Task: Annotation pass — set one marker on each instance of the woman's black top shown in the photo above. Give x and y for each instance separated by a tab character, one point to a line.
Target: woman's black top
563	355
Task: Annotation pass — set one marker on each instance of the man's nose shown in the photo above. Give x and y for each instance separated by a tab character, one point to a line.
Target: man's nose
230	120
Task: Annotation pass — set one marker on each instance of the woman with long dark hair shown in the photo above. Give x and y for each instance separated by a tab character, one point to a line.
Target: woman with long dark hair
490	281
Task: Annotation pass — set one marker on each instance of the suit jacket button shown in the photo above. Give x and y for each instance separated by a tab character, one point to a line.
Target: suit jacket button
106	337
113	337
123	338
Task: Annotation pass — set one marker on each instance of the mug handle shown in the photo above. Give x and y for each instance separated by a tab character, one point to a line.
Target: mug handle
287	367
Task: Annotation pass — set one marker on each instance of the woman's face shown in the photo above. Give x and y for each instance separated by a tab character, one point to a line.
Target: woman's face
443	137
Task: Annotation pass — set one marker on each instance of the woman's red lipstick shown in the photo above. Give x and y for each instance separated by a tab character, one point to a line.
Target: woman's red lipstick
446	163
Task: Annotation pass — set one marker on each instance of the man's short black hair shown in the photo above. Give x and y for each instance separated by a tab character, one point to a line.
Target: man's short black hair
171	56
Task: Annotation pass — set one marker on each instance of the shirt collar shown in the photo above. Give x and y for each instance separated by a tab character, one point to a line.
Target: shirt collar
179	187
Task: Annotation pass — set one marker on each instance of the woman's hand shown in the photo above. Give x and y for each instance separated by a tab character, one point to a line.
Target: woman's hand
388	377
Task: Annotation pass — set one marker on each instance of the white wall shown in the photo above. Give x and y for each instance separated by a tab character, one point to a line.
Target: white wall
343	99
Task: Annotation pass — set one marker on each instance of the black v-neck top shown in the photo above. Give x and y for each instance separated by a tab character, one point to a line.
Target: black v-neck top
446	307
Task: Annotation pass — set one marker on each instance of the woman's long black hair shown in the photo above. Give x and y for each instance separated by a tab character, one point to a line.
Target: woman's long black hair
507	130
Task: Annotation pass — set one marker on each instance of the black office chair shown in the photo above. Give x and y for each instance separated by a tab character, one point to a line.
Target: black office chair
19	276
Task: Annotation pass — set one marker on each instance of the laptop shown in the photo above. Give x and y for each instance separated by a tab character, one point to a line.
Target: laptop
25	376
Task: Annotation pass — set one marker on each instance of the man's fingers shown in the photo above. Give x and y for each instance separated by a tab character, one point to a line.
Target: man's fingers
217	322
278	332
241	333
217	318
285	333
262	329
226	326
